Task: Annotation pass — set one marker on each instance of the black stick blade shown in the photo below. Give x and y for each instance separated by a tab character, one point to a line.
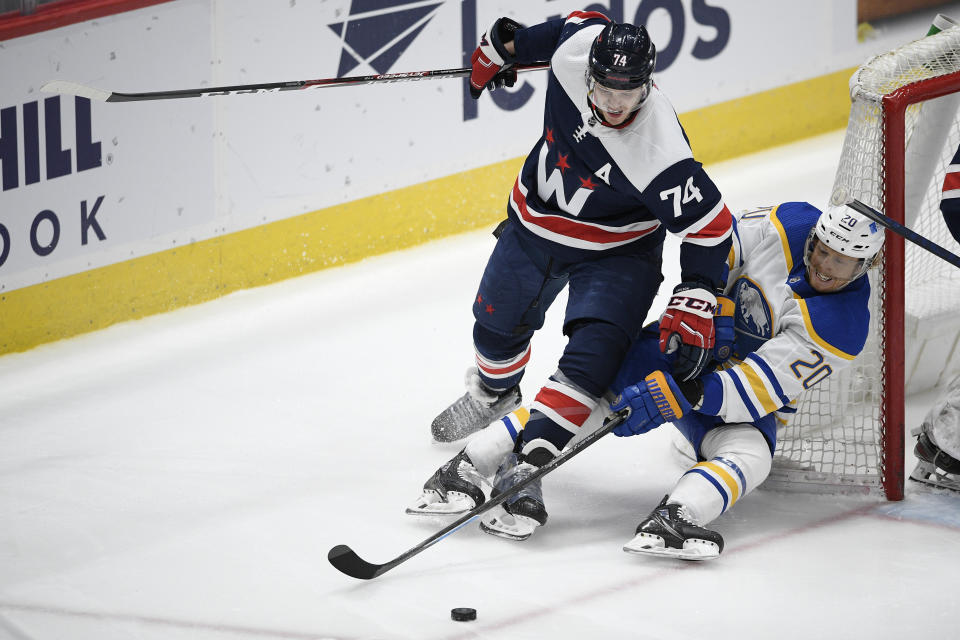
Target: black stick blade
347	561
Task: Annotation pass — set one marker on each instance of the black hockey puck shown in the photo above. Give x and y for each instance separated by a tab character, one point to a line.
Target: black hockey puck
463	614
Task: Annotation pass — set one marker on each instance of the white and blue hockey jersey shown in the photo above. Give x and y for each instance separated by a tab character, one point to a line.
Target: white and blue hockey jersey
789	337
587	187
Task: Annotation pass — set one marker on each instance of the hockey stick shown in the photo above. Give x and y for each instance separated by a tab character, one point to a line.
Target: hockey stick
84	91
912	236
347	561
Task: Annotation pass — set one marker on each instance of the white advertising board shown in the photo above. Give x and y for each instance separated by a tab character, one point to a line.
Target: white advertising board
86	185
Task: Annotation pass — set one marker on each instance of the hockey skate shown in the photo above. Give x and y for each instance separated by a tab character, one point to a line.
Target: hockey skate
668	532
520	515
927	473
455	488
477	408
935	467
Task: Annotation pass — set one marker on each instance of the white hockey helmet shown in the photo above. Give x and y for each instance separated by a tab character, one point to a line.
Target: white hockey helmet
849	233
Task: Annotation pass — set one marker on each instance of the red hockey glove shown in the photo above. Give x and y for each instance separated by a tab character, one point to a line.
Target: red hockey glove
686	328
491	56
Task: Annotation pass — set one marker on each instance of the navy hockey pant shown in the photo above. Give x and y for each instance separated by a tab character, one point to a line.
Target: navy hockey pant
608	300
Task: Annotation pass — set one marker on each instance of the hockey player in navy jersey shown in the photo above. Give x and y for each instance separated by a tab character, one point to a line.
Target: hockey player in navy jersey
611	172
938	436
950	197
793	313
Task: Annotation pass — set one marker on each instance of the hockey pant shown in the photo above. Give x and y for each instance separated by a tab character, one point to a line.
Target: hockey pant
733	459
608	300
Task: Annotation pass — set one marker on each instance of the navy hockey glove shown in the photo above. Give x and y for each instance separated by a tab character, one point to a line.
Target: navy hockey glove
723	328
490	58
686	328
655	400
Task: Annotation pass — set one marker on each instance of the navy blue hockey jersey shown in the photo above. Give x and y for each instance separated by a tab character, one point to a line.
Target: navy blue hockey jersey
587	187
950	199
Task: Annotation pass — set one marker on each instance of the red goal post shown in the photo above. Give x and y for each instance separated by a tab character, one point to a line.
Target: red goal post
849	432
895	107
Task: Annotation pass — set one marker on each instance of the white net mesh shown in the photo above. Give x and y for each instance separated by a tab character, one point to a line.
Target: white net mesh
836	441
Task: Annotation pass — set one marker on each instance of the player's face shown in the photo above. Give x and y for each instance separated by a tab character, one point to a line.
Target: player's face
616	105
829	270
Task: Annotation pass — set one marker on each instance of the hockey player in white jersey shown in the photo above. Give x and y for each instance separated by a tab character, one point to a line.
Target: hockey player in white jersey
795	312
800	314
611	172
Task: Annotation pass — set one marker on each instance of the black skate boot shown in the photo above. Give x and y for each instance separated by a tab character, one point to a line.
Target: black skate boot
668	532
477	408
455	488
521	514
935	467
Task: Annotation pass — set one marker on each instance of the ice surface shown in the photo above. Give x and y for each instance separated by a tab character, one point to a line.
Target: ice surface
184	476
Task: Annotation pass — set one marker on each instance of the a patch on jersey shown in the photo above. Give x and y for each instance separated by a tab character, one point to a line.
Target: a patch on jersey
752	320
604	173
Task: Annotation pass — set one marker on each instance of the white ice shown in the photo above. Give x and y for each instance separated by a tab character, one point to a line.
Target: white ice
184	476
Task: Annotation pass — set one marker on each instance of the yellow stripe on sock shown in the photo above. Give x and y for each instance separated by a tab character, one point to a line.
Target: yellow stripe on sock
728	480
520	417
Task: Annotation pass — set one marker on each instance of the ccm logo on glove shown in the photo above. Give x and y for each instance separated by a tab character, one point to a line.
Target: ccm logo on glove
697	304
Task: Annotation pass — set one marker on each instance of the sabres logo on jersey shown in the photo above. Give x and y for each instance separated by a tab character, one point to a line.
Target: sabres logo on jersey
752	319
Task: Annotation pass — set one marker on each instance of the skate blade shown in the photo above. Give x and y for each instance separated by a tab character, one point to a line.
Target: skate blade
505	525
431	504
693	549
936	482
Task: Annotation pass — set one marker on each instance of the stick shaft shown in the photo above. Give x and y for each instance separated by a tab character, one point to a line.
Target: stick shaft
347	561
912	236
71	88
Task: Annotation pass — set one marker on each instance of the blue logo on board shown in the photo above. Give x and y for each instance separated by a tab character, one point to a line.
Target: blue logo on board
377	32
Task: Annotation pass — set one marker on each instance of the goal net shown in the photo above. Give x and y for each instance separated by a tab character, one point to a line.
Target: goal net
903	131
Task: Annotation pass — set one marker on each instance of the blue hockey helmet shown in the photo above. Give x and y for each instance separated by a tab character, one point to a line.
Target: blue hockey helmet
622	57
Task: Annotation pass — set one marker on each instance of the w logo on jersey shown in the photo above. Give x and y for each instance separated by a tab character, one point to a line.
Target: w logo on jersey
553	186
377	32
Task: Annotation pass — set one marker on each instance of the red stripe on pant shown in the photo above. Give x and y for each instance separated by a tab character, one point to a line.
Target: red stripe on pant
566	407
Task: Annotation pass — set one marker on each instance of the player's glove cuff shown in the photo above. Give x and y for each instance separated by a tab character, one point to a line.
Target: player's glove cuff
490	58
501	32
723	328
